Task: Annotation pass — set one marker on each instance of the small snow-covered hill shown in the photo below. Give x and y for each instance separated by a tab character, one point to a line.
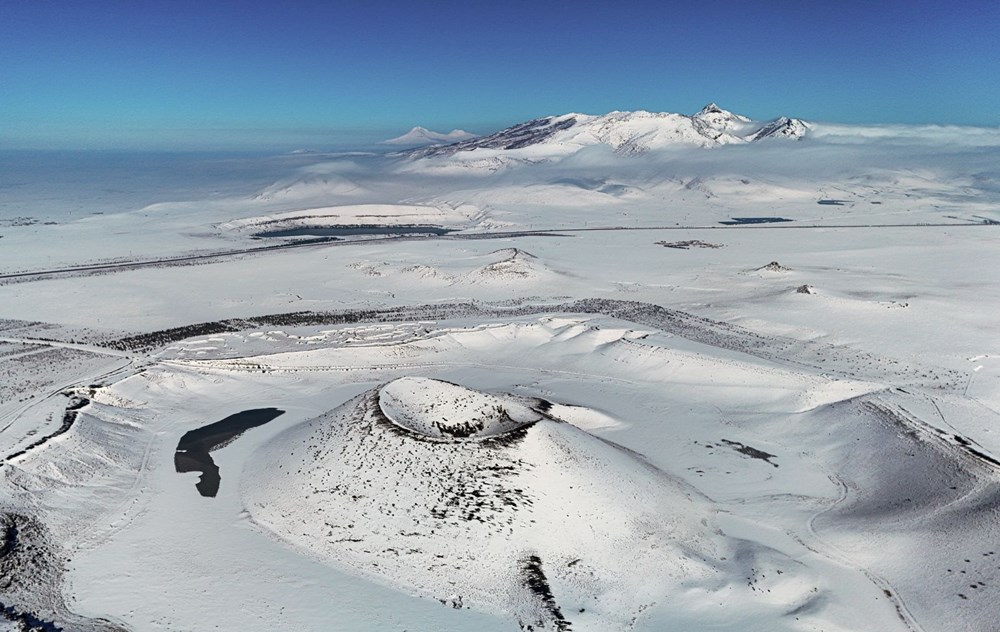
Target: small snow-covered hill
511	264
420	136
627	132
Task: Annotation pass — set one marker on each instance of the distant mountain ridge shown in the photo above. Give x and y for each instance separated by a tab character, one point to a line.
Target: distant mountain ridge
421	136
628	132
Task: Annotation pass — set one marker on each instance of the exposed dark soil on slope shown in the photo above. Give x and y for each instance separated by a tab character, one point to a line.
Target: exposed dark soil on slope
535	580
753	453
31	575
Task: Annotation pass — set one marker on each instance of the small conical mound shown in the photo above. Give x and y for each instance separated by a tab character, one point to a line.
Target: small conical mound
774	266
510	265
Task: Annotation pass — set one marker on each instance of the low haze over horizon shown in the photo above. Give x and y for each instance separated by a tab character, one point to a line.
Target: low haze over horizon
230	75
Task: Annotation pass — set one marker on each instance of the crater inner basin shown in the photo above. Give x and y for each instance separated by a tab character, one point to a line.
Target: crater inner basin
444	411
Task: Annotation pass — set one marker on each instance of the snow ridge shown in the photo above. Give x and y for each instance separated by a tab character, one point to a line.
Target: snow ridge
517	136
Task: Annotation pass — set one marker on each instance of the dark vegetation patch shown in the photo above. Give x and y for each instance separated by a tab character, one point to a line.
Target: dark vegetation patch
541	405
462	430
9	538
753	453
193	449
468	429
685	245
457	431
27	621
302	242
508	439
31	571
152	340
533	577
354	230
464	481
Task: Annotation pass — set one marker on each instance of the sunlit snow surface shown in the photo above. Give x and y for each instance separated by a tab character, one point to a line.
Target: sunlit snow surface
544	418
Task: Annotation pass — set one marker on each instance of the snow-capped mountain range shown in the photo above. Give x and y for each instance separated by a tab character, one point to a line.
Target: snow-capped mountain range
421	136
629	132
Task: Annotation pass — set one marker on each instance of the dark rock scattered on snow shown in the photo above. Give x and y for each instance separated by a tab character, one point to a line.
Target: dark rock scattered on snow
774	266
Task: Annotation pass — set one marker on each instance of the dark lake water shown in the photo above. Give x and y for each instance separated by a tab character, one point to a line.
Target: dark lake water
754	220
193	450
347	231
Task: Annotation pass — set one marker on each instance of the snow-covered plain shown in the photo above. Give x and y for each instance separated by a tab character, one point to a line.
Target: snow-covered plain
619	394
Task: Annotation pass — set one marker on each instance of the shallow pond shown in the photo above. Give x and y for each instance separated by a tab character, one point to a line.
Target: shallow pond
193	449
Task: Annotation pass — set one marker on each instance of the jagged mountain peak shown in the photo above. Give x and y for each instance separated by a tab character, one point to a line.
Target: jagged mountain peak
782	127
717	116
711	108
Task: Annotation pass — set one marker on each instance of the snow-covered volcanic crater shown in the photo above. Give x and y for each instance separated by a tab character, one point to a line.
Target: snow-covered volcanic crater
485	501
436	410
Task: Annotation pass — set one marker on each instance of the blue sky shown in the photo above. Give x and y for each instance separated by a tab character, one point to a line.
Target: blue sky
218	74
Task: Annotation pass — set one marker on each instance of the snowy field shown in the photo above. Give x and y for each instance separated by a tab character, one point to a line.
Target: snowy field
637	371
